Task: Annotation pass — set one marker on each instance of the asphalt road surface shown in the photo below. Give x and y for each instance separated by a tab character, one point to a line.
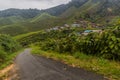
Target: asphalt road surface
39	68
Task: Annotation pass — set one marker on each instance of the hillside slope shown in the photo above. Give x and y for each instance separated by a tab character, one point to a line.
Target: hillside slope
10	20
99	10
15	21
40	22
44	16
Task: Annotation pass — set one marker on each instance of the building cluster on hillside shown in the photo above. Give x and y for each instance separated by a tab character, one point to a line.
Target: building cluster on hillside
79	24
86	32
86	24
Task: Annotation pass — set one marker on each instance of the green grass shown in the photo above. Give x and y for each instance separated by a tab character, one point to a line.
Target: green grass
109	69
42	16
9	59
10	20
25	35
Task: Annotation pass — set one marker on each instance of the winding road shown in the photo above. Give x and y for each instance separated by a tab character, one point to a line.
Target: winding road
33	67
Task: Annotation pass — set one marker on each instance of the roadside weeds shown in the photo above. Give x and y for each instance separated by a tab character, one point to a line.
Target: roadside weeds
109	69
9	73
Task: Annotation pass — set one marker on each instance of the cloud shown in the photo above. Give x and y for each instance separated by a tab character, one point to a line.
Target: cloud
25	4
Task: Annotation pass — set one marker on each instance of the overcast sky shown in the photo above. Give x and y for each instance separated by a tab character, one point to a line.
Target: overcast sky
25	4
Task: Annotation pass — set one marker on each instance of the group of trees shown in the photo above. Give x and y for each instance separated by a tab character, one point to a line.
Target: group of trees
7	47
104	45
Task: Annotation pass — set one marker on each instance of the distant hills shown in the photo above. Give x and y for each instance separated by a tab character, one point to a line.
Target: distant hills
58	10
18	21
40	22
11	16
98	7
25	13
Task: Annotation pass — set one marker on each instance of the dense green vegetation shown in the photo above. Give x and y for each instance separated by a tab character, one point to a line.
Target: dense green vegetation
8	47
105	44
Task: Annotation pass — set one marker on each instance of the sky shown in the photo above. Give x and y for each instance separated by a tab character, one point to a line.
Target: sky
25	4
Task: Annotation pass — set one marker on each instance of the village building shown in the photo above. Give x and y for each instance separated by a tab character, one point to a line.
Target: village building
86	32
66	25
98	31
75	25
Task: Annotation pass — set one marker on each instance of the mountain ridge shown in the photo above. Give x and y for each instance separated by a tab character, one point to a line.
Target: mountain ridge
96	11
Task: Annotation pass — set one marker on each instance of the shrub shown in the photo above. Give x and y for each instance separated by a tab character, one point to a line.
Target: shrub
8	44
7	47
2	55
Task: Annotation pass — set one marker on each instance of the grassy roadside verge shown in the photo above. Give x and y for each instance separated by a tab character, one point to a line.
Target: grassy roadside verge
109	69
6	66
9	59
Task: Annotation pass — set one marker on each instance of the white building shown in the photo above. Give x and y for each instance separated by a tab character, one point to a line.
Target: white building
75	25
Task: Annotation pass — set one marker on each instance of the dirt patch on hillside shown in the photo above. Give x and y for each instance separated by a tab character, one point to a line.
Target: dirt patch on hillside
9	73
